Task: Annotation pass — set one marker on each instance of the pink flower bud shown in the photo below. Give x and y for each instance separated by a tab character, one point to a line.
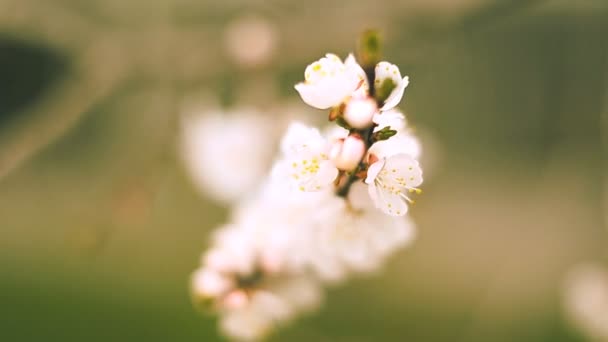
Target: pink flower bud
235	300
271	261
359	112
347	153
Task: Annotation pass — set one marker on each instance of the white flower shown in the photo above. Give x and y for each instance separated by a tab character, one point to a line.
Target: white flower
252	300
289	227
386	70
320	232
251	40
299	222
304	293
232	251
270	307
390	180
329	81
256	319
364	237
227	153
307	158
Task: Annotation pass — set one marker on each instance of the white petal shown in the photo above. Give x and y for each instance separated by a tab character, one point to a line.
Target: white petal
403	166
313	97
236	245
386	70
373	194
358	197
245	325
388	187
391	118
389	202
326	93
351	241
326	268
326	176
352	64
302	292
395	97
373	170
299	134
217	146
328	82
398	144
268	304
306	162
392	233
329	65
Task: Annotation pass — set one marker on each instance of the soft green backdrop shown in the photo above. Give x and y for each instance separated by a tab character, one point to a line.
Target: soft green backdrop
100	225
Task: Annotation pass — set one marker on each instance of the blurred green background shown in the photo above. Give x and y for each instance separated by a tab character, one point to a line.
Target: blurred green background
100	225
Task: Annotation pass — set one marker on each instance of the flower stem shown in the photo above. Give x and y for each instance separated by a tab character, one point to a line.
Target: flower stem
369	49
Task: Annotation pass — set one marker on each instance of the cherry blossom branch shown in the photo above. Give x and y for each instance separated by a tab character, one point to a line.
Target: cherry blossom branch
369	54
258	275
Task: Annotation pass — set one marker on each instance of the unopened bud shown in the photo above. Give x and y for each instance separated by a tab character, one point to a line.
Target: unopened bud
359	112
347	153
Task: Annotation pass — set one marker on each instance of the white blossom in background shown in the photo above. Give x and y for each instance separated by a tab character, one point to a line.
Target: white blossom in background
364	237
251	40
586	300
289	225
266	309
226	153
332	205
250	277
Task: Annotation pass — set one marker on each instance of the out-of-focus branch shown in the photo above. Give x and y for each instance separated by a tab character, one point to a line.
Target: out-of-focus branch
60	108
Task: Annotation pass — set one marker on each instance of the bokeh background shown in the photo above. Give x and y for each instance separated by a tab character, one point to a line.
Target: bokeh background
100	225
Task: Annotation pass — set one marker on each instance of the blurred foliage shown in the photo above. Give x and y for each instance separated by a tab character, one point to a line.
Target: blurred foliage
100	227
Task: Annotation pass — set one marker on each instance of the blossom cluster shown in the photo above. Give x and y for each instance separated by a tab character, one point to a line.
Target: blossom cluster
333	205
